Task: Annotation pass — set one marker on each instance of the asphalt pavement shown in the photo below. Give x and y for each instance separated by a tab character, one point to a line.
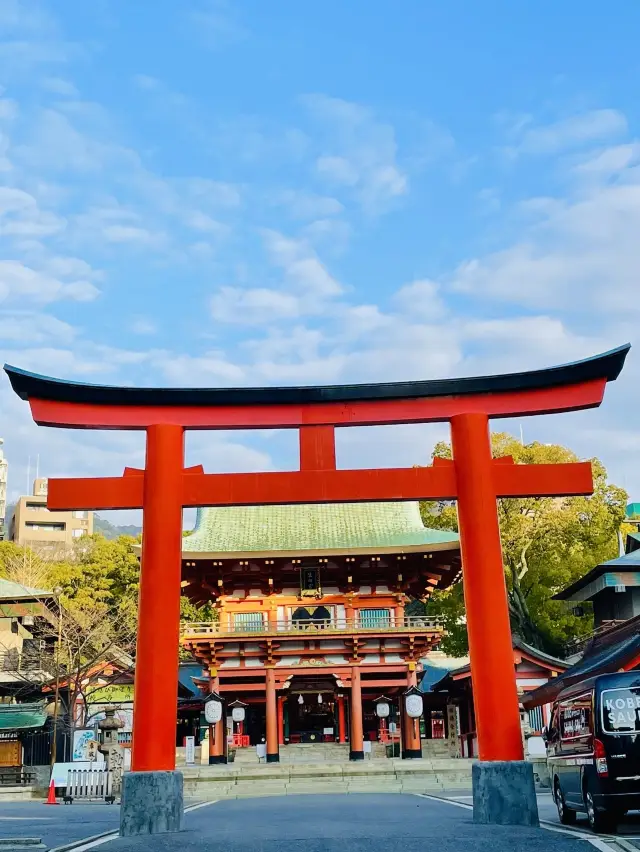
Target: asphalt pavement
56	824
323	823
344	823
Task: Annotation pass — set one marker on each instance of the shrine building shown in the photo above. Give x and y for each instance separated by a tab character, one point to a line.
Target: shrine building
311	625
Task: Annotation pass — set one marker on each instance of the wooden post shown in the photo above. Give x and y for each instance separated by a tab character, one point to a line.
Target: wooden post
342	728
356	744
412	744
154	721
273	755
281	700
485	593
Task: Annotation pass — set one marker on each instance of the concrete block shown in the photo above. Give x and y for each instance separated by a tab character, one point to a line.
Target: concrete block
22	844
152	803
504	793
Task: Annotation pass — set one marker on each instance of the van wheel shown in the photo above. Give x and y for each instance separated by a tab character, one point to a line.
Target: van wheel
566	815
601	822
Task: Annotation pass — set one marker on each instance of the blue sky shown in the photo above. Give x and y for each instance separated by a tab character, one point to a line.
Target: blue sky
247	193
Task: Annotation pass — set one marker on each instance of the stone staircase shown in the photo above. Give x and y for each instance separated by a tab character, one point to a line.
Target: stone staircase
325	768
334	752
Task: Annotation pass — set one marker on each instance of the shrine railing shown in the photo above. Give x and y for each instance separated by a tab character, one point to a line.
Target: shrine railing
408	624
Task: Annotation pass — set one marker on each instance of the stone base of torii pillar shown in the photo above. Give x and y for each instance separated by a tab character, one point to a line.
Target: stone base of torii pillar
504	793
152	803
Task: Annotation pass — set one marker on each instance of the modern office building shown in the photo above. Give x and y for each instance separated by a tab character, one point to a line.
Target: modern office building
35	526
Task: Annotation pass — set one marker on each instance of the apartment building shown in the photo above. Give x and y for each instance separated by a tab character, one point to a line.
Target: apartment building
34	525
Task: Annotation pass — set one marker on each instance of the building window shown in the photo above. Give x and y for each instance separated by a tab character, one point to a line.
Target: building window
248	621
81	515
375	618
46	527
78	533
36	507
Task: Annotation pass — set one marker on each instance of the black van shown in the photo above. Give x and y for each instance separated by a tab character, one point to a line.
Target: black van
593	749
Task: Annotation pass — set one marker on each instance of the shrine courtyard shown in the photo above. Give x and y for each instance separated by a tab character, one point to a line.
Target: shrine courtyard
327	823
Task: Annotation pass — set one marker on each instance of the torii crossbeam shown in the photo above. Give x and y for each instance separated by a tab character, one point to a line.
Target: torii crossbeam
473	478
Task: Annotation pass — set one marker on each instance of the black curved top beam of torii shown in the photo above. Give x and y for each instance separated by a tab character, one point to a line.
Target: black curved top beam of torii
34	386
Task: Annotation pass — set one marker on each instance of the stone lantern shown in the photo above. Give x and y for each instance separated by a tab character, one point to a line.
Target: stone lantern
110	747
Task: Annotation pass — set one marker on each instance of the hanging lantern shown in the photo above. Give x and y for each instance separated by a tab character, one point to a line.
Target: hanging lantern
300	699
238	711
383	707
213	709
413	702
319	698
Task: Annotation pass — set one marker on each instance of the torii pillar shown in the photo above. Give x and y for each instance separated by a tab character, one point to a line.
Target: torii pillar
503	782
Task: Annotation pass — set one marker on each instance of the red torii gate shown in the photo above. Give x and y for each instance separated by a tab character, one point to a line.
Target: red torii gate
473	478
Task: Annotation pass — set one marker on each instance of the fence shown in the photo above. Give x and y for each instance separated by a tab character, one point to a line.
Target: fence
410	623
89	784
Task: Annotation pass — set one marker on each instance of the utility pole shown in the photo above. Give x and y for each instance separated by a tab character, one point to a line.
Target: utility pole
54	744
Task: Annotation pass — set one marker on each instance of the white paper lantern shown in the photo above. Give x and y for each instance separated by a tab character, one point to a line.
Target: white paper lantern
213	712
413	705
382	710
238	714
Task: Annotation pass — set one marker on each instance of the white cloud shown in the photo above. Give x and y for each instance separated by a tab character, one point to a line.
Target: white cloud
142	325
34	328
581	254
253	306
18	281
360	153
304	271
132	234
60	86
574	131
421	298
215	23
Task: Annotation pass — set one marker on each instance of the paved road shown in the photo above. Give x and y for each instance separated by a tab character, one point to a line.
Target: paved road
353	823
629	829
57	824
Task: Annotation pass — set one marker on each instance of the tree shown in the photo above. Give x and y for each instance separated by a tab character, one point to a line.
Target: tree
547	544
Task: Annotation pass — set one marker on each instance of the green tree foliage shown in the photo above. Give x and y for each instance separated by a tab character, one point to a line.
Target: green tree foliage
547	544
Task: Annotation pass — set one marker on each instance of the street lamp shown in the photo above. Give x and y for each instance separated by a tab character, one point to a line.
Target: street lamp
57	592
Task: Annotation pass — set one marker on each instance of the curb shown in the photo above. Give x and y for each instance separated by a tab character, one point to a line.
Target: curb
84	841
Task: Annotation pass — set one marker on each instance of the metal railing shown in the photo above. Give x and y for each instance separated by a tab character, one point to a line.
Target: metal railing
408	624
578	645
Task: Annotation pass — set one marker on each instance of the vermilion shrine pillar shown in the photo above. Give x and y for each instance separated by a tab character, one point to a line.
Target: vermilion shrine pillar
342	732
216	731
159	608
495	695
273	754
356	738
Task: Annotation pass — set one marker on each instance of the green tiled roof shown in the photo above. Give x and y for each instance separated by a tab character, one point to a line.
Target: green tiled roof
16	591
333	527
16	717
633	510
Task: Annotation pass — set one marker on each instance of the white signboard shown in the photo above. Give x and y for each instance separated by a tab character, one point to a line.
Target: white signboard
413	705
190	750
237	714
212	712
60	771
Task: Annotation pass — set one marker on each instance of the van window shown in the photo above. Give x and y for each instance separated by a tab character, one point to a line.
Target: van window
621	710
575	717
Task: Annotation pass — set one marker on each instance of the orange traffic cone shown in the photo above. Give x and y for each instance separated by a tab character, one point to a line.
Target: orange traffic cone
51	798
